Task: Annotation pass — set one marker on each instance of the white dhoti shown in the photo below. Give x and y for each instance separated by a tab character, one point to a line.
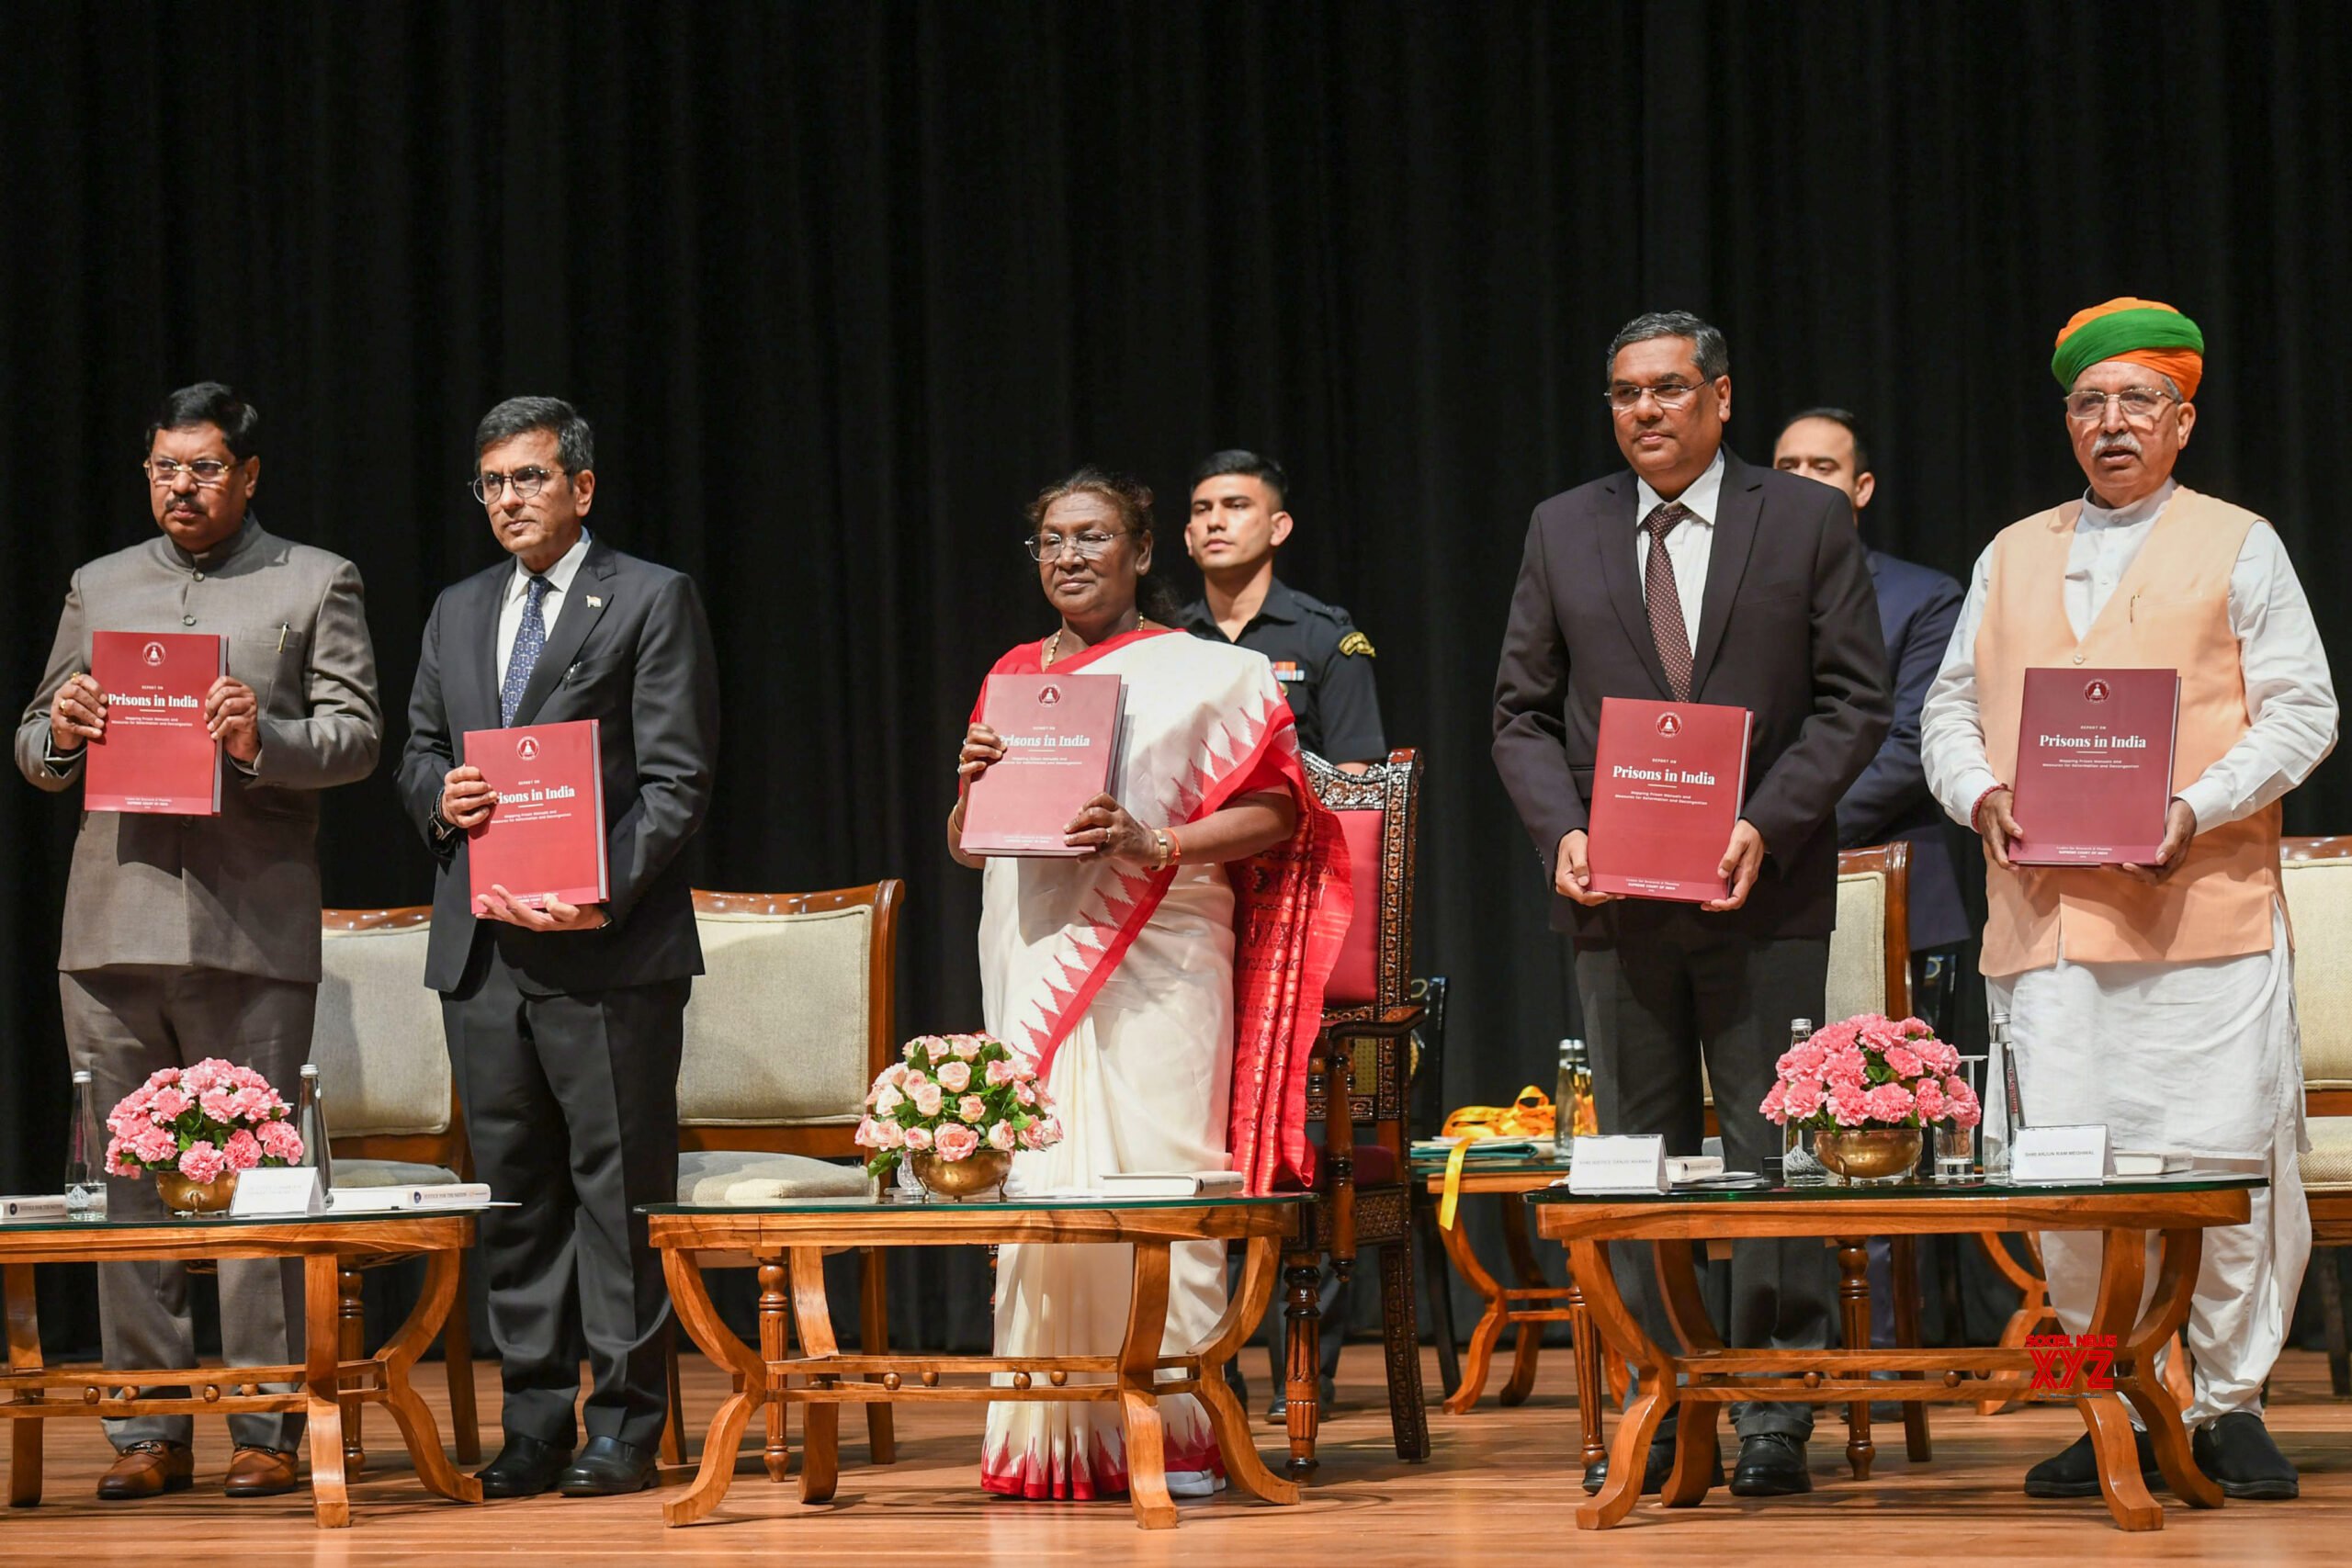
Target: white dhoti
2201	1058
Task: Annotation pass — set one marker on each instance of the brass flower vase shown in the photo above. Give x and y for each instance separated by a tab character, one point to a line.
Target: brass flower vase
187	1198
979	1174
1868	1156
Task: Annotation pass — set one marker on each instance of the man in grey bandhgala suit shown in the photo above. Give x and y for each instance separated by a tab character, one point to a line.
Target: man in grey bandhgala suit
188	937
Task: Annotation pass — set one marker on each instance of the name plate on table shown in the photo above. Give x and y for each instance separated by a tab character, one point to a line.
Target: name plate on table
2060	1155
40	1206
1618	1165
287	1189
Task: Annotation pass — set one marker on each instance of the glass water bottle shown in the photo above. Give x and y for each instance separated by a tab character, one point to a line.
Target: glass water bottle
311	1123
1798	1164
85	1153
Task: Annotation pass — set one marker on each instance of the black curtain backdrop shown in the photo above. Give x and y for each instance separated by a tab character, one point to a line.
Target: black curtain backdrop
841	286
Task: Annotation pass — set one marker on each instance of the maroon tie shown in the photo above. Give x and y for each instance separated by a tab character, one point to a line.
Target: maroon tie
1666	628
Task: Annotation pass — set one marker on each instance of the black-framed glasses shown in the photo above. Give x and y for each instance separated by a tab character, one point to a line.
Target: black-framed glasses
2140	404
165	472
527	482
1090	543
1624	397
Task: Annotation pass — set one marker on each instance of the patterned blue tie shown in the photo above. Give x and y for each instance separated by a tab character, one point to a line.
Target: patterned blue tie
529	638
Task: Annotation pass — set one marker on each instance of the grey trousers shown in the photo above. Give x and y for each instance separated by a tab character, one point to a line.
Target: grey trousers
122	1023
1676	987
571	1109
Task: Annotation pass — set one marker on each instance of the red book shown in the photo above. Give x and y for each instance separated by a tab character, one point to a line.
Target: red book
1666	787
2094	765
1061	747
156	754
545	839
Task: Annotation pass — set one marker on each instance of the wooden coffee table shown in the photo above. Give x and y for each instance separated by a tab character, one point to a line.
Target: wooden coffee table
1705	1375
38	1393
788	1242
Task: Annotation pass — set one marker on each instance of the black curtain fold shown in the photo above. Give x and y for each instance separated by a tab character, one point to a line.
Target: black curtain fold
842	286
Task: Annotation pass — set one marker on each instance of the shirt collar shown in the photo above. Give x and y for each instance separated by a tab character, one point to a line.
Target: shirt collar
558	575
2145	510
1700	499
1280	604
219	555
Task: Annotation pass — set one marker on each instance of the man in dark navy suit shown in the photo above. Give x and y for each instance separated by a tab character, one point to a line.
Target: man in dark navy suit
1918	607
566	1022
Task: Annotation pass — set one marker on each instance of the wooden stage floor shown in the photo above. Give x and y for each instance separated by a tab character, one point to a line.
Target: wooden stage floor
1496	1491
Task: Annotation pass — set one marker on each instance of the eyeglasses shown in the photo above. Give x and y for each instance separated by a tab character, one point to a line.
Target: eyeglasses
2140	404
527	483
165	472
1089	543
1624	397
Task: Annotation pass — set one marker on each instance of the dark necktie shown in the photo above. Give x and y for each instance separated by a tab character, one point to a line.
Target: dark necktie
532	636
1667	627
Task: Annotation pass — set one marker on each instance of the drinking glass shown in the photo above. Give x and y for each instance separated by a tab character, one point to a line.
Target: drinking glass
1956	1145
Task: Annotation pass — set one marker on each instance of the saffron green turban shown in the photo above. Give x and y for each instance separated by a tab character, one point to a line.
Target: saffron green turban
2145	331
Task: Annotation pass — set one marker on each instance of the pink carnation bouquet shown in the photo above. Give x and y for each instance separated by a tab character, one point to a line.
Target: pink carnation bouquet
1872	1071
954	1095
200	1121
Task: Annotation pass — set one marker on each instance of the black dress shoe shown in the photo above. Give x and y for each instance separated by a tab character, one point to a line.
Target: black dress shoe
2237	1453
1656	1467
524	1468
2073	1472
1771	1465
606	1468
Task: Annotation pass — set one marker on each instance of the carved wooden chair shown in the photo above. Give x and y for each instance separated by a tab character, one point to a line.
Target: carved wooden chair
793	1017
392	1118
1358	1084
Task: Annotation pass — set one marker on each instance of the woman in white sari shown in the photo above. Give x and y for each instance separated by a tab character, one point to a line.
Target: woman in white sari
1168	981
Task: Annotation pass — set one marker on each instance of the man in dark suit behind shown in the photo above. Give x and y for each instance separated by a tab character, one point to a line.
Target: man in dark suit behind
565	1023
1695	576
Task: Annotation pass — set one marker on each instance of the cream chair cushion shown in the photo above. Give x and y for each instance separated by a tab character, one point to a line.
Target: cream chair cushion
2329	1164
776	1028
731	1176
383	1060
1858	948
390	1173
2319	907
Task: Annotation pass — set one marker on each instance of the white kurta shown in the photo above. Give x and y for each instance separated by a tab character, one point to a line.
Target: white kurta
2148	1048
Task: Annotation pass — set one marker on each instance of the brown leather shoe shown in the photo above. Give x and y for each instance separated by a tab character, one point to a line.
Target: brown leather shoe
260	1473
147	1469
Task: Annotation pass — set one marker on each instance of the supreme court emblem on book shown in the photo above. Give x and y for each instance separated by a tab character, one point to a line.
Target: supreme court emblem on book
528	748
1669	724
1048	695
2068	1364
2095	692
153	654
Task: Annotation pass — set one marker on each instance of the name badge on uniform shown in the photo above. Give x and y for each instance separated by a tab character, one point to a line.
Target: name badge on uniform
1288	670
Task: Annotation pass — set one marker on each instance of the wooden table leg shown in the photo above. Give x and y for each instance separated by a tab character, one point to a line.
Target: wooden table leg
1530	1276
1437	1287
351	1331
872	1338
1243	1466
2124	1266
1695	1453
1903	1271
690	1296
1489	1327
1591	1386
1303	1360
775	1308
24	1356
442	1275
1138	1402
1660	1377
2157	1401
321	1348
812	1319
1854	1306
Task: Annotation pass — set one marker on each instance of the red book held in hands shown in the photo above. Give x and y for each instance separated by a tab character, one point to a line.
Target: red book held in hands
545	839
1061	746
156	754
1666	787
2093	766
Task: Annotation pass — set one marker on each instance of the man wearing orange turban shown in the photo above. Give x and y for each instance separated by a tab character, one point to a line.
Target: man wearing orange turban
2155	999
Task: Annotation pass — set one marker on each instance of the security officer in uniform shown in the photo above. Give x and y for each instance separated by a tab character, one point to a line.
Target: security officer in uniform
1325	668
1323	662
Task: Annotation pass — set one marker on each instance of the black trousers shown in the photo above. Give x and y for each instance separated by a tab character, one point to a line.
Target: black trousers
571	1109
1676	988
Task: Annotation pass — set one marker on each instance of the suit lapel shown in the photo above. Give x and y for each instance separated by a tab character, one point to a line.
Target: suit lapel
1738	507
584	605
1618	550
477	684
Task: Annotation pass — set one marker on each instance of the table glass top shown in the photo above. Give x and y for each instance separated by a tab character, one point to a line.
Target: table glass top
894	1203
224	1222
1906	1192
